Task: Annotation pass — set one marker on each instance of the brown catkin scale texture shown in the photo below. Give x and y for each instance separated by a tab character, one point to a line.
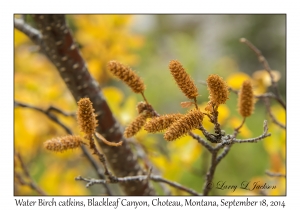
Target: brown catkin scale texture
135	126
127	75
64	143
158	124
218	89
181	127
183	80
86	117
246	99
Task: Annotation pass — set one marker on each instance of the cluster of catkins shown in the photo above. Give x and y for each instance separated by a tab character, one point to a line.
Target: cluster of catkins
178	125
86	119
174	125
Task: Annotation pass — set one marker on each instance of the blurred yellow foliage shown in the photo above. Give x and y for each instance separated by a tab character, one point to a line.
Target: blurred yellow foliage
262	80
236	80
104	38
244	131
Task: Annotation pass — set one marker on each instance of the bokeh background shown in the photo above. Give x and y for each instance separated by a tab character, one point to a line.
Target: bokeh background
204	44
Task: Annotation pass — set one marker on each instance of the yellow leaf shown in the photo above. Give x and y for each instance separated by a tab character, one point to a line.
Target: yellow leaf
224	113
244	131
19	38
236	80
262	80
265	76
129	111
114	97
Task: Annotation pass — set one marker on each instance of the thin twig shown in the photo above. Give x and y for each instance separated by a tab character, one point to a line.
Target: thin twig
140	178
275	121
47	112
266	95
99	171
144	97
237	130
224	153
209	136
196	105
31	32
101	157
30	183
112	144
55	109
273	174
233	91
251	140
202	142
210	174
174	184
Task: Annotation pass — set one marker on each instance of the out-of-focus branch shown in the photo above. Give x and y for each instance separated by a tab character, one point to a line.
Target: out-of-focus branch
140	178
48	113
224	153
202	142
265	63
28	30
275	121
29	183
210	174
101	158
273	174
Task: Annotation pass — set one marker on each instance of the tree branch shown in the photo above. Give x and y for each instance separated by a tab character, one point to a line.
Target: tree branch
275	121
273	174
202	142
140	178
28	30
30	183
224	153
48	113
